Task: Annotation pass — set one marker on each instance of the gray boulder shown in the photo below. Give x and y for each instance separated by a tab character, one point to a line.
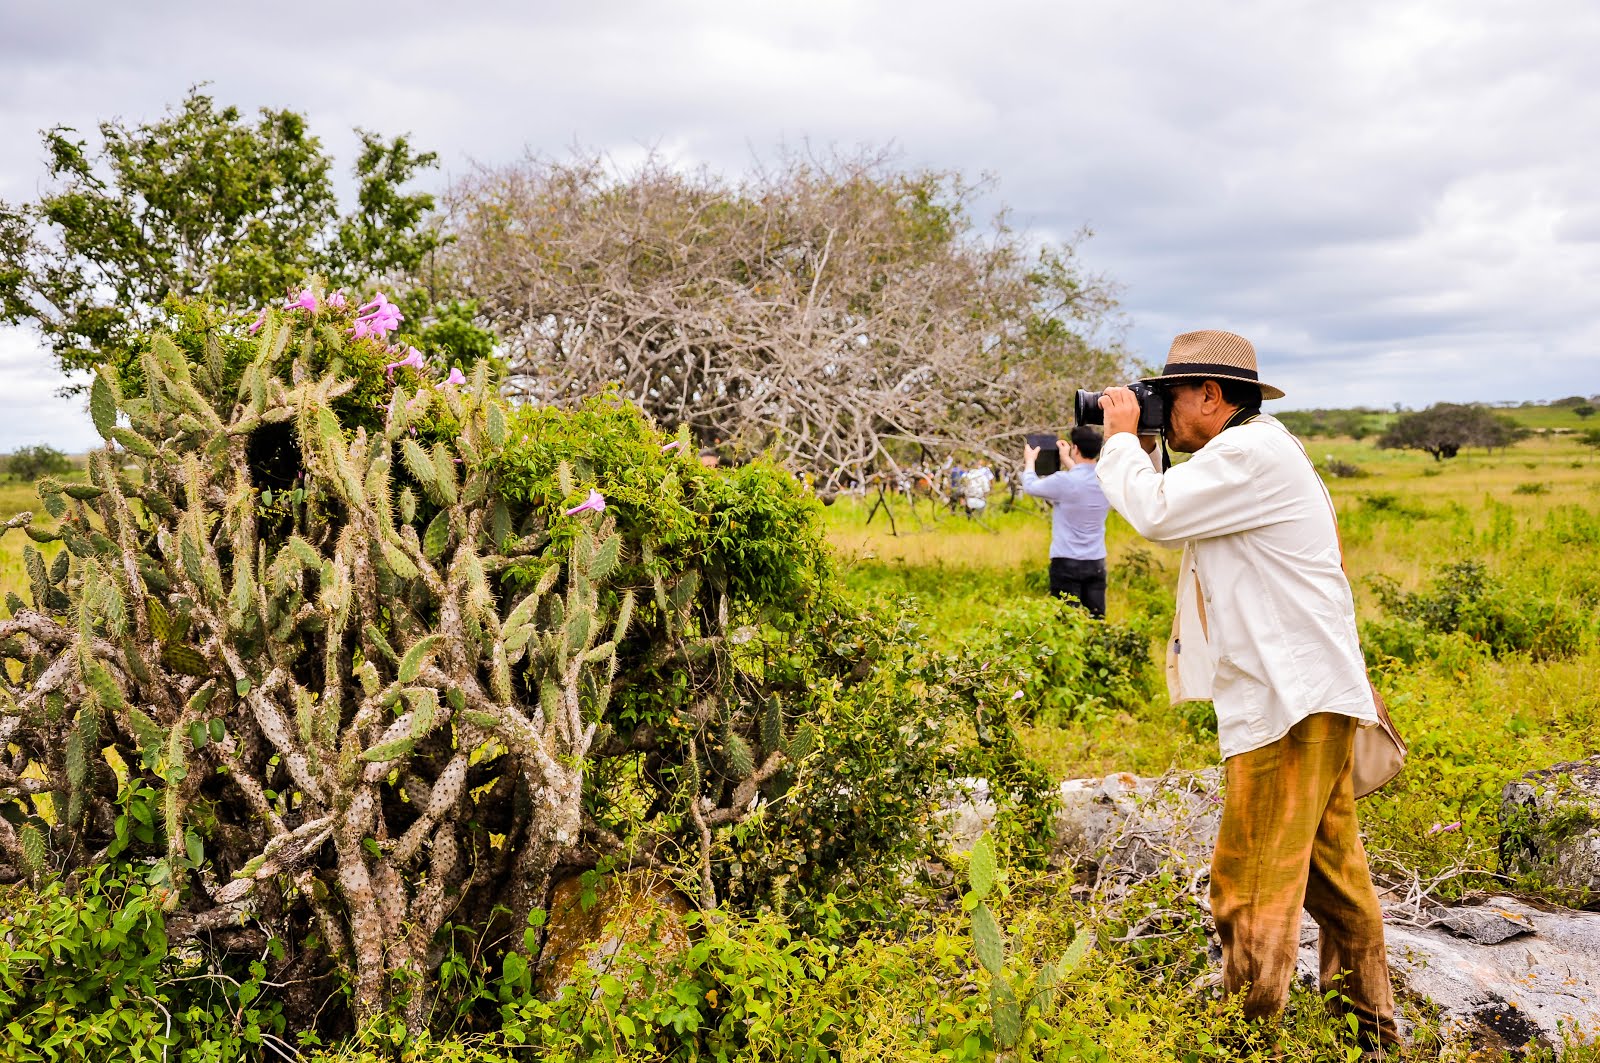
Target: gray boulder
1550	826
1505	975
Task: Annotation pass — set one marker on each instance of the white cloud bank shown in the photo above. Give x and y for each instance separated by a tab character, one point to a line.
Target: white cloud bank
1395	200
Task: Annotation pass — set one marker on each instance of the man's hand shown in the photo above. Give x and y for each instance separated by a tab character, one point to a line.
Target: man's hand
1064	450
1121	408
1029	454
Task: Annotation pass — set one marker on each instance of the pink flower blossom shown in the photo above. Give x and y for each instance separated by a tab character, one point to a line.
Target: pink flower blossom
455	377
670	446
412	360
306	301
1444	828
595	503
261	319
337	301
378	318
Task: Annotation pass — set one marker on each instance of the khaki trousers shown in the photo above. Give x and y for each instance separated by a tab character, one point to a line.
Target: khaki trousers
1288	840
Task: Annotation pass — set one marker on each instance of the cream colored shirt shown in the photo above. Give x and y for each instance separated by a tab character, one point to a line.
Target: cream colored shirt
1265	625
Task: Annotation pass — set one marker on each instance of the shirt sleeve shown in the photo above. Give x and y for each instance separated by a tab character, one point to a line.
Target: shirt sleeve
1213	493
1046	487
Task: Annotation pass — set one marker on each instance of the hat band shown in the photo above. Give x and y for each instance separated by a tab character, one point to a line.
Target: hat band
1208	369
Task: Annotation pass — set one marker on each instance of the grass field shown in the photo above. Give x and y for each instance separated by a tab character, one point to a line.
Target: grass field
1531	515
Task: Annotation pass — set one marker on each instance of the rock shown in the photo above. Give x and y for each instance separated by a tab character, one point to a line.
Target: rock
1120	823
1550	826
1504	974
1484	924
629	908
1125	824
968	811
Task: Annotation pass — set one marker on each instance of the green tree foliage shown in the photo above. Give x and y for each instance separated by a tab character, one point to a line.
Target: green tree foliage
203	202
1444	428
41	459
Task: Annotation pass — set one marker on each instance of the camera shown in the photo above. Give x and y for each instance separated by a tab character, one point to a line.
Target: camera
1152	407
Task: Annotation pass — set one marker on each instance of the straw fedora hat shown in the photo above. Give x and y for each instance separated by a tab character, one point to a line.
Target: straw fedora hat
1215	355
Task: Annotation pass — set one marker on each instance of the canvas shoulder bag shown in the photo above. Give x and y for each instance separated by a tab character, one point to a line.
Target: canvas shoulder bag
1380	752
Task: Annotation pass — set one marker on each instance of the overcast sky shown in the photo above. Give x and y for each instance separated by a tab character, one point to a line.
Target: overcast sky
1397	201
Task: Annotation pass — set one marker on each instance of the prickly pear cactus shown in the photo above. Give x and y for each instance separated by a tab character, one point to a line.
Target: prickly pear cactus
381	665
1015	995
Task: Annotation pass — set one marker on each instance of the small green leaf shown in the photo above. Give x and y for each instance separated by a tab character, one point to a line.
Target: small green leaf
197	734
218	731
241	686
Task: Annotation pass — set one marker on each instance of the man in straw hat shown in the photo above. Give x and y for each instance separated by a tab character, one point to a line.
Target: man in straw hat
1266	629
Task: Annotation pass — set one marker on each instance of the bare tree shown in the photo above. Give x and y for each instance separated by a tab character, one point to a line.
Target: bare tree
848	316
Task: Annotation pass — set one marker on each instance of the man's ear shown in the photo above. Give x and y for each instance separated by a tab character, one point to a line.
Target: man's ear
1212	394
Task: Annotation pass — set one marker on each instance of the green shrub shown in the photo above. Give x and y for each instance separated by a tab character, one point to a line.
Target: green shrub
86	974
1066	664
1464	599
31	463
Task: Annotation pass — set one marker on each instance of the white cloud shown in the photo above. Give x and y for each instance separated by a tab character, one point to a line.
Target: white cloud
1395	200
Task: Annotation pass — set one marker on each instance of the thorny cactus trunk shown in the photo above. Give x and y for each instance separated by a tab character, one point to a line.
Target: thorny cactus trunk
315	679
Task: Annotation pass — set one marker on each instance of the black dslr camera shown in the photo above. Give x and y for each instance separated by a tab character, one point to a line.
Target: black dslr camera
1152	407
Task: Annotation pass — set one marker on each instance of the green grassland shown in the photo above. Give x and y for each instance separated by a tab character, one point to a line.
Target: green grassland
1530	515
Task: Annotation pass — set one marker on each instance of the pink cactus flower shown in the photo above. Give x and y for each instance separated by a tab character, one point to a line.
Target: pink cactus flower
412	360
455	377
261	319
378	318
337	301
307	300
595	503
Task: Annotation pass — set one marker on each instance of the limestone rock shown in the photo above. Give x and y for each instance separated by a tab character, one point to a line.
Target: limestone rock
1123	823
629	908
1550	826
1503	973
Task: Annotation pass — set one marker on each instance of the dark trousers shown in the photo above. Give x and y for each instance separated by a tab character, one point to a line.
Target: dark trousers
1083	580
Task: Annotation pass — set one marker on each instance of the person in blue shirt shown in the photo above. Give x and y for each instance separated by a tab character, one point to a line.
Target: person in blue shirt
1078	523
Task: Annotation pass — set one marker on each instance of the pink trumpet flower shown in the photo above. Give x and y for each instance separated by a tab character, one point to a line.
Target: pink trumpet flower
455	377
1438	828
378	318
412	360
306	301
337	301
595	503
665	447
261	319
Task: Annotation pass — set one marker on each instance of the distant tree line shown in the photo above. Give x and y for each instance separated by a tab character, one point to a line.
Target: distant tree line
1355	423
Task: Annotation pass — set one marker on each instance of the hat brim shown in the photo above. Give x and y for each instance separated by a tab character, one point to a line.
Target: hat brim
1267	390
